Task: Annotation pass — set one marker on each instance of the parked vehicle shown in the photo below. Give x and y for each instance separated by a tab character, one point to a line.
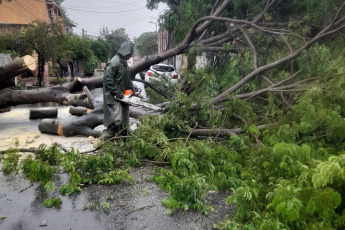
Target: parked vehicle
162	72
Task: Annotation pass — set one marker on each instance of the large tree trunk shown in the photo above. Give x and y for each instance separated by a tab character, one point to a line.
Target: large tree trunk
15	68
71	66
58	95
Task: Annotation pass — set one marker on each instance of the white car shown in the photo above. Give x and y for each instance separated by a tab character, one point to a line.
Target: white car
162	72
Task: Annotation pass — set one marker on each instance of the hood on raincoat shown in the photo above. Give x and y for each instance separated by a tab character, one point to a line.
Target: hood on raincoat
126	48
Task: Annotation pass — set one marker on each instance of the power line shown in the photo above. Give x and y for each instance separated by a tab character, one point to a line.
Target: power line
24	6
104	12
18	3
17	12
120	4
103	7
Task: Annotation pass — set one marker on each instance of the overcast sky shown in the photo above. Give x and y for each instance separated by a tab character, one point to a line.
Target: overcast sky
92	15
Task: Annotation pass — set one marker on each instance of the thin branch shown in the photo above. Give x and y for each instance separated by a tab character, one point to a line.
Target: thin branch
250	43
24	150
26	188
226	94
100	145
171	139
267	6
196	125
215	38
217	12
272	86
337	14
224	132
156	162
212	12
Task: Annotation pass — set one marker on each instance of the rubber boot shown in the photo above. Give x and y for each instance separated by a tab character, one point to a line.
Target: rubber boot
108	133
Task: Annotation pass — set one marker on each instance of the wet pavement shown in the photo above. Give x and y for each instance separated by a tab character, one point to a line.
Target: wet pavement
132	206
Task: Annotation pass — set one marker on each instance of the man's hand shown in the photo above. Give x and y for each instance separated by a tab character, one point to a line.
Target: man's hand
136	91
119	95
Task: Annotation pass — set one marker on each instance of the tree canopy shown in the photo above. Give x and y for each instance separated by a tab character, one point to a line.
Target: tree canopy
147	43
41	37
114	38
100	49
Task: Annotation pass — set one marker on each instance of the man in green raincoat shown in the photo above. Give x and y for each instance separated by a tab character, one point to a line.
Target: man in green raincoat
117	79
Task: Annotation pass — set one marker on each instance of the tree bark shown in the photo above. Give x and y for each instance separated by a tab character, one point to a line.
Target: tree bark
58	95
43	113
78	84
220	132
79	111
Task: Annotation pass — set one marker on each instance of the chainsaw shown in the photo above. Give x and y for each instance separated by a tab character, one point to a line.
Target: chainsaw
131	98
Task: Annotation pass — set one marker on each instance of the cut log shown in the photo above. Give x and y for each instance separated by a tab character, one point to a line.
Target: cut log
43	113
17	67
90	97
74	126
79	111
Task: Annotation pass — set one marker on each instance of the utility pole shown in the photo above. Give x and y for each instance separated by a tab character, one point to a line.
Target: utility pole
155	23
82	33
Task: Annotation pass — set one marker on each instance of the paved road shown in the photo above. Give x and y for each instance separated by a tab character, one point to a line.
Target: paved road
132	206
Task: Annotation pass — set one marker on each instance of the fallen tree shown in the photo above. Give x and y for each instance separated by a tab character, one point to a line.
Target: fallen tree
59	95
239	35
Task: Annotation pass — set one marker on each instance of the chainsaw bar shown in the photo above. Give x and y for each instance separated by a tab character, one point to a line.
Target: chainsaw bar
137	102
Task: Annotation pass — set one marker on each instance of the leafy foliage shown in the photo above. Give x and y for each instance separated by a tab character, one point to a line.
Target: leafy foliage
100	49
148	43
83	169
289	176
90	65
52	203
41	37
98	206
114	38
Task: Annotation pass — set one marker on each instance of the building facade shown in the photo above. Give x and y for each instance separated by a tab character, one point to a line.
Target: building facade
16	14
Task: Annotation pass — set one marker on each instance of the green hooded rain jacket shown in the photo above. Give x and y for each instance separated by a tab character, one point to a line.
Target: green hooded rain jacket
117	79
